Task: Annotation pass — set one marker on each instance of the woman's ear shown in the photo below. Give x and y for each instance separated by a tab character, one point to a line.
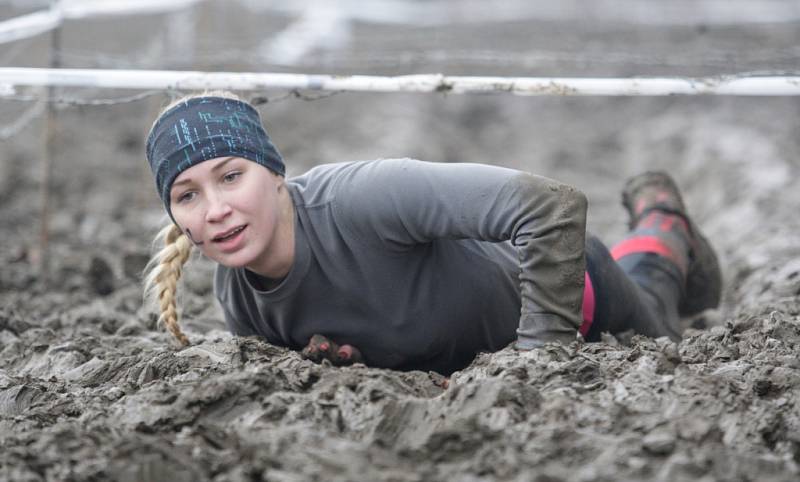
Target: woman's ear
280	181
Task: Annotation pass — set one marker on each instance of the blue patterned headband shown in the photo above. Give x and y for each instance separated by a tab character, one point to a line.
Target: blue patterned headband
203	128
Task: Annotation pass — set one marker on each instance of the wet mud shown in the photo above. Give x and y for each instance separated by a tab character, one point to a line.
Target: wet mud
87	395
92	389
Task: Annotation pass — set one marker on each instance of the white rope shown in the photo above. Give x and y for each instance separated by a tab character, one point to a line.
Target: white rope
743	85
29	25
32	24
97	8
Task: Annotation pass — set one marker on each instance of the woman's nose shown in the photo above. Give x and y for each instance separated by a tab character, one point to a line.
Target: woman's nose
218	208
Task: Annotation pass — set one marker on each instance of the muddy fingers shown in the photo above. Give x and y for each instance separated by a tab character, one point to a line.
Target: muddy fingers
322	348
319	348
347	355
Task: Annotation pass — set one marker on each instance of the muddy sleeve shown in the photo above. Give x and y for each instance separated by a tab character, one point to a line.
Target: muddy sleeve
400	203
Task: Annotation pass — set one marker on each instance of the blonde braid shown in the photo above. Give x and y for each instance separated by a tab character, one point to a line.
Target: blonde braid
163	272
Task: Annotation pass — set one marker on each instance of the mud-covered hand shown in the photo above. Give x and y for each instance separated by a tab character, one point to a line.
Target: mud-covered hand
537	329
321	348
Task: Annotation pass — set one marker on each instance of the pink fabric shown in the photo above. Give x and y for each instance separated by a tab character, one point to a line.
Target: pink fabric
588	305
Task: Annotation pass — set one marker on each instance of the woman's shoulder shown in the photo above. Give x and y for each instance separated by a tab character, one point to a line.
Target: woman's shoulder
321	184
322	172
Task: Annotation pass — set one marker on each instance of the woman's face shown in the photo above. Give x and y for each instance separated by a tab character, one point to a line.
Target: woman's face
230	209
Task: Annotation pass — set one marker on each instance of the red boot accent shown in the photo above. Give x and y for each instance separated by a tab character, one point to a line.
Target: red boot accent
648	244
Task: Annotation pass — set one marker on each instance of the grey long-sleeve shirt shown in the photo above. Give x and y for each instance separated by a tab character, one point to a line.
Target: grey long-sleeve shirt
421	265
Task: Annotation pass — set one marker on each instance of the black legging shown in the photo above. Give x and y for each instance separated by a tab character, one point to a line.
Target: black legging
639	292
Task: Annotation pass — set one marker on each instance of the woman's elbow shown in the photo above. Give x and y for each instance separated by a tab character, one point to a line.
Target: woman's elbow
575	199
553	198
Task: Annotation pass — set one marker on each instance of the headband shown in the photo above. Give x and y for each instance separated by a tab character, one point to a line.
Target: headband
202	128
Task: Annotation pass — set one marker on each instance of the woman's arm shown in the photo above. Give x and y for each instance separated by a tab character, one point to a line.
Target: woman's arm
402	202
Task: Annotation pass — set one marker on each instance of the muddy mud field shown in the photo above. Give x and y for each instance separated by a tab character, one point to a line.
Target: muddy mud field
92	389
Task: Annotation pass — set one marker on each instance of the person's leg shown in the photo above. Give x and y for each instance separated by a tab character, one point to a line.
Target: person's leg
663	269
639	293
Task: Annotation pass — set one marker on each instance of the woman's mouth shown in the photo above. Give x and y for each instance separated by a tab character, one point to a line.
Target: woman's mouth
229	239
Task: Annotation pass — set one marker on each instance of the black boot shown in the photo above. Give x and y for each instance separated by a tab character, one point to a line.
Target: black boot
656	191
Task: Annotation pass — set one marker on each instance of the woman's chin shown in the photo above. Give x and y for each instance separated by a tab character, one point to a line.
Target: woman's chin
232	261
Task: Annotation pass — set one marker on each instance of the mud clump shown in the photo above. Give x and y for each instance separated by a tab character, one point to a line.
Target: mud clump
132	408
100	276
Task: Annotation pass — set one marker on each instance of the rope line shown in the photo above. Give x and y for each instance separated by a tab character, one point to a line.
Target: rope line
173	94
32	24
739	84
74	101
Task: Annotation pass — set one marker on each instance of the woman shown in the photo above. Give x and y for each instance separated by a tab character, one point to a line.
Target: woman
408	264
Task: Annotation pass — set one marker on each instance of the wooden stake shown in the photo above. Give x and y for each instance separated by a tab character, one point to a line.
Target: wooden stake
47	163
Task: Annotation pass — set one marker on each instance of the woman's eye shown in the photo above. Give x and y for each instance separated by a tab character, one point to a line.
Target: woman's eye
231	176
186	197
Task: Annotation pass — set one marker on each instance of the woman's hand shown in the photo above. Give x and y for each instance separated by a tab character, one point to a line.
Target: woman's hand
321	348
